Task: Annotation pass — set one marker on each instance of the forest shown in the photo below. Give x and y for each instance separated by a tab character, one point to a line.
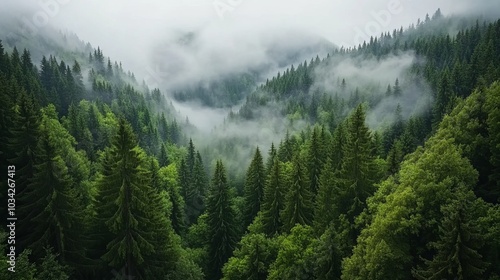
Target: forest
109	182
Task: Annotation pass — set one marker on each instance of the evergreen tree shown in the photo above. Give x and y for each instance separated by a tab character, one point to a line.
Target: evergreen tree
493	106
315	160
358	167
327	200
394	157
254	188
163	157
169	182
220	221
23	139
298	206
136	234
270	159
397	89
51	212
327	255
273	202
457	255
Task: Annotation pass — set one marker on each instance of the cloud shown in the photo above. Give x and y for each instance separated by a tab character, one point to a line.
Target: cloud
228	39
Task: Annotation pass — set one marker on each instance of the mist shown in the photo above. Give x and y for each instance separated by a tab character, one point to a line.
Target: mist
172	44
229	35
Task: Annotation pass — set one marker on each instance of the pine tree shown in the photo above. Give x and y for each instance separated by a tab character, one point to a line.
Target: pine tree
395	157
298	206
358	167
327	200
51	212
492	105
315	160
397	89
273	202
135	231
327	255
187	190
163	157
339	139
457	255
220	221
270	159
254	188
23	139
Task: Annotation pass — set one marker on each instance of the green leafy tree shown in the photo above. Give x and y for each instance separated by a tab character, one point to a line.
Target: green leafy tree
169	182
253	259
295	256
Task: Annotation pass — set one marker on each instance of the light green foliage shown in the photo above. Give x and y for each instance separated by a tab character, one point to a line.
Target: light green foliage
252	259
426	181
295	256
169	182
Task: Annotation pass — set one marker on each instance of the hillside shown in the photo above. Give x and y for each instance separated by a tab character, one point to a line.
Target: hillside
380	161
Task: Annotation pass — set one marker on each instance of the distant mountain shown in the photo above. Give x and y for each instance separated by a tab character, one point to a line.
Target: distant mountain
193	72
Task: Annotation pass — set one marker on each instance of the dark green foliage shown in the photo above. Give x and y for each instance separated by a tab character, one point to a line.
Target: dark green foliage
220	221
49	207
254	188
327	200
135	232
298	206
457	255
327	255
253	258
493	107
111	199
358	166
274	197
315	159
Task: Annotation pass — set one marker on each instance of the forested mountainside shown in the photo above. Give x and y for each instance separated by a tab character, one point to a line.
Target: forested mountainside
373	180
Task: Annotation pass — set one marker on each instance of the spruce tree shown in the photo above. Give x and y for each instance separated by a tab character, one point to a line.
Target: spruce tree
457	255
273	203
315	160
135	231
358	168
327	200
220	221
52	216
298	206
339	139
23	140
270	159
254	188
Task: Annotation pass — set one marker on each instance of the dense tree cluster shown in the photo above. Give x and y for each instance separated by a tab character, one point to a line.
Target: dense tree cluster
109	186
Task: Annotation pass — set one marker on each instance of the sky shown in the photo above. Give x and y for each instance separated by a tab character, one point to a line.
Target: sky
231	34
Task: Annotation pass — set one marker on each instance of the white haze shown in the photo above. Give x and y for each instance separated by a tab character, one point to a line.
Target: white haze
145	36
